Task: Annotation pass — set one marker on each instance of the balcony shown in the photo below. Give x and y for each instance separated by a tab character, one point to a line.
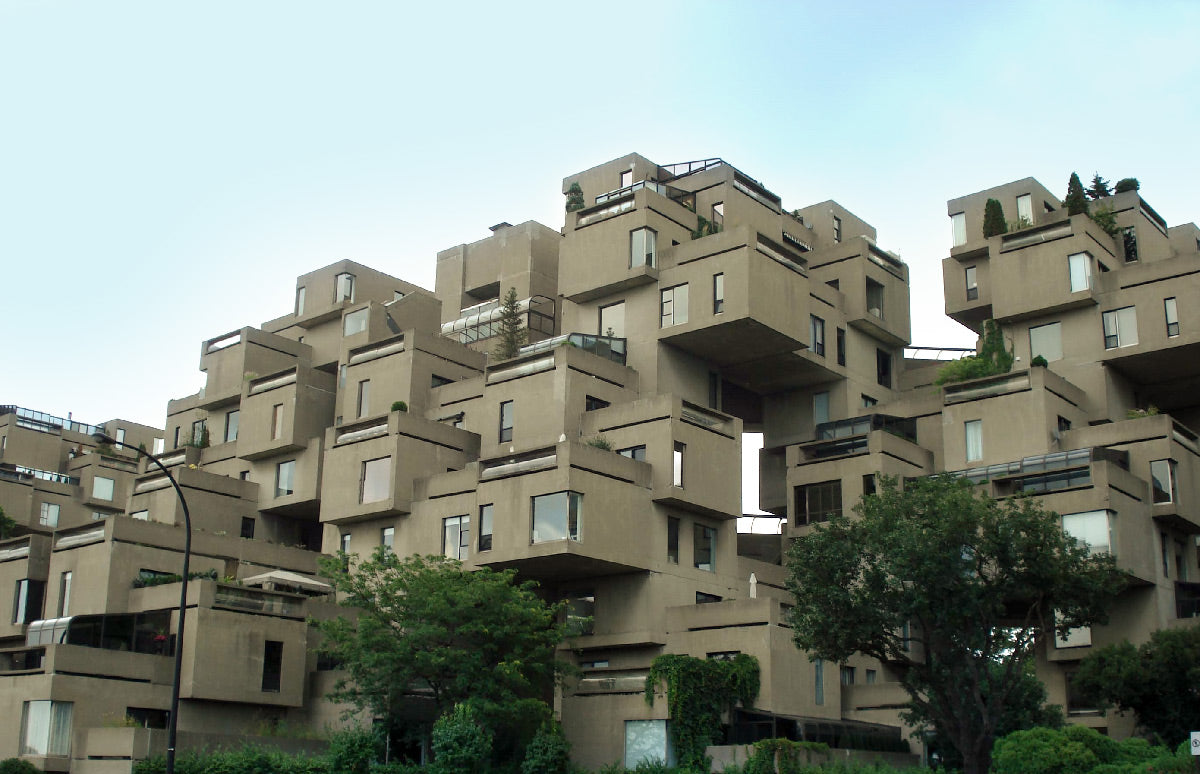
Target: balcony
232	358
482	321
47	423
610	347
22	474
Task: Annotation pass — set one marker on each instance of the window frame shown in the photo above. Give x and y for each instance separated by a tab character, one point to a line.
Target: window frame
673	306
816	334
971	280
572	526
487	513
341	286
958	229
648	254
507	421
232	419
280	467
1171	315
367	470
458	547
719	292
1051	331
822	500
704	542
973	440
1081	270
1122	322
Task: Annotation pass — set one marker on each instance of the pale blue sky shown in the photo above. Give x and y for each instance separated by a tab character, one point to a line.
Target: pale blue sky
167	169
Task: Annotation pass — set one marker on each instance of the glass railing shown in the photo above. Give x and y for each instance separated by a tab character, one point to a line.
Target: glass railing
257	601
22	473
48	423
845	428
1042	464
610	347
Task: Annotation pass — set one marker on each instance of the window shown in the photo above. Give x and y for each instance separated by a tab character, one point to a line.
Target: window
816	334
718	214
972	281
1025	210
958	229
376	481
64	594
1129	242
158	446
626	179
868	401
345	542
456	537
642	244
974	438
1162	479
485	527
102	488
612	320
557	516
48	517
1046	340
871	676
277	422
120	439
199	430
837	229
299	300
818	502
714	390
247	527
1120	327
868	484
718	293
819	681
285	478
707	599
46	727
841	346
704	545
1171	311
1092	528
355	322
506	421
1080	266
231	425
647	741
581	612
272	665
874	298
847	674
592	403
176	445
677	464
883	368
27	600
1165	544
820	408
1064	424
674	307
672	540
142	515
364	398
387	537
343	288
438	381
634	453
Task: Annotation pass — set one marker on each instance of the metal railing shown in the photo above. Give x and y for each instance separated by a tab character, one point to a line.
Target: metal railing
610	347
48	423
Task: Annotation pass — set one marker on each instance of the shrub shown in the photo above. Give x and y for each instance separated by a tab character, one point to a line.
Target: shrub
399	405
353	750
548	752
993	219
574	198
1042	751
1127	184
460	744
1105	218
600	442
993	358
18	766
1038	362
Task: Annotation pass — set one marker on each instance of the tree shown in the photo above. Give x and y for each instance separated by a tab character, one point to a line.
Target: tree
993	219
1075	202
993	358
512	331
8	525
1159	681
426	628
575	199
1099	188
1127	184
951	588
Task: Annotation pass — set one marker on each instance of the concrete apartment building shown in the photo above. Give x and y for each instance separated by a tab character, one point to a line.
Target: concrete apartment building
678	308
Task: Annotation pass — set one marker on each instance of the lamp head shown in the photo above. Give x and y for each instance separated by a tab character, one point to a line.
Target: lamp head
100	437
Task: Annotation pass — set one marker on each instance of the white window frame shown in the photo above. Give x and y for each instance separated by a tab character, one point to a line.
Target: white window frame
958	229
103	488
343	287
1080	526
456	537
1079	271
643	247
673	306
375	483
1120	327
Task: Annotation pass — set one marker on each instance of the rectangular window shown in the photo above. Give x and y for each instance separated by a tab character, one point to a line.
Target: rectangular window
102	488
646	741
718	214
277	422
506	421
48	516
642	247
143	515
199	430
592	403
837	229
299	300
1120	327
974	438
816	334
871	676
28	600
231	425
868	401
883	368
848	675
120	436
1165	543
1080	266
1092	528
626	179
176	446
1129	242
345	542
343	288
1171	311
704	546
820	408
714	390
247	527
355	322
387	537
376	481
557	516
46	728
703	598
958	229
485	527
158	446
874	299
677	464
1162	479
841	346
1046	340
819	681
272	666
364	398
285	478
672	540
612	320
456	537
868	484
718	293
972	281
634	453
818	502
674	307
64	594
581	612
1025	210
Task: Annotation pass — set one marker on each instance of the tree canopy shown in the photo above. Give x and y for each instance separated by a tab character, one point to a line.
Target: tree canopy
1099	188
512	333
951	588
1159	681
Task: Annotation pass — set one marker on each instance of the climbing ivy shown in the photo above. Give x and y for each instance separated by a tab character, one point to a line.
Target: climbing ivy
783	756
699	692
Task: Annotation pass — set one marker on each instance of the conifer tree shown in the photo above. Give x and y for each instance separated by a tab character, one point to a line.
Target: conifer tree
993	219
1075	202
512	332
574	198
1099	188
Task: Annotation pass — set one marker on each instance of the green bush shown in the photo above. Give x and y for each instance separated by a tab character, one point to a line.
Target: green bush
1038	361
399	405
353	750
993	219
548	752
1042	751
1127	184
16	765
461	745
246	760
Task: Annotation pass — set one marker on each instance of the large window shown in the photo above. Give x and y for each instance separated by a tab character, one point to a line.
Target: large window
674	307
102	488
364	398
285	478
1025	210
818	502
1092	528
646	741
1171	311
46	727
972	281
231	425
272	665
718	293
376	483
27	600
642	247
1120	327
704	547
1080	266
199	430
820	408
677	464
973	431
875	298
1162	479
557	516
485	526
883	368
1046	340
612	320
343	288
958	229
816	334
506	421
456	537
48	515
581	612
355	322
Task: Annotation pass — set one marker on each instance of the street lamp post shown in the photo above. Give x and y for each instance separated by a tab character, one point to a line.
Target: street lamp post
173	718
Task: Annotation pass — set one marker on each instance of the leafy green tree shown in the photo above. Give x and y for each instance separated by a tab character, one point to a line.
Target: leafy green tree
18	766
8	525
1099	188
952	588
993	219
1127	184
548	753
427	628
461	745
1076	201
513	334
1158	681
